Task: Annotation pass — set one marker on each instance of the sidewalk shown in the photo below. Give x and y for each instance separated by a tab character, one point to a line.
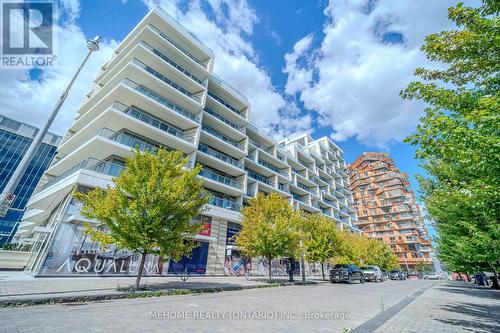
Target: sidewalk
452	306
20	288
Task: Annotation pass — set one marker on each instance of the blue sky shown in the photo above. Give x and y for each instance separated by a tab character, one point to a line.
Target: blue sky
331	68
281	24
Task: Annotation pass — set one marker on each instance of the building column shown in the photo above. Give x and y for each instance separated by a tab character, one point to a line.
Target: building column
217	249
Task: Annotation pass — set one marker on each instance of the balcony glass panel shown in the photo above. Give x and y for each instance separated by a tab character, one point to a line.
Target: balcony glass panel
153	121
171	62
130	140
219	177
221	118
92	164
151	94
166	80
221	136
260	178
224	203
219	155
223	102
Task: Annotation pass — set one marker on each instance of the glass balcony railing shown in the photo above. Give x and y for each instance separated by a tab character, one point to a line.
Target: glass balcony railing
227	86
172	63
153	121
128	140
305	188
226	180
260	178
92	164
224	120
165	79
177	45
224	203
158	98
221	136
219	155
298	197
226	104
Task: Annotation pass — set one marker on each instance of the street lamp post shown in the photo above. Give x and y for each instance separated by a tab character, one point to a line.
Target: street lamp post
7	198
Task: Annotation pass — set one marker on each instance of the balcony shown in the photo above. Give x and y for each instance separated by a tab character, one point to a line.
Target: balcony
221	178
221	136
91	164
160	99
177	87
260	178
224	120
202	63
224	203
129	140
172	63
219	155
225	104
153	121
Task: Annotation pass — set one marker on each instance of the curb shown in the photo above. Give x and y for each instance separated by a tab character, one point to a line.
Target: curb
136	294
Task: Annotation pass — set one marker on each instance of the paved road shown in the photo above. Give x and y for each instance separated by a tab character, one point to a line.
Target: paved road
268	310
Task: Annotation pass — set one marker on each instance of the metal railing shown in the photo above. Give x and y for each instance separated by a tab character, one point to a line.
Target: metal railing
258	177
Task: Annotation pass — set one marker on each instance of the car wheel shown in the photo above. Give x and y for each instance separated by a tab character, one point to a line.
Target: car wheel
349	279
362	280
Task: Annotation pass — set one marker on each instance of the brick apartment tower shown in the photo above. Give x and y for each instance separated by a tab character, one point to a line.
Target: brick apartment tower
387	208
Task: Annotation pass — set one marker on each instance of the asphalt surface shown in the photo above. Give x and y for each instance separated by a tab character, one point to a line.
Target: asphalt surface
319	308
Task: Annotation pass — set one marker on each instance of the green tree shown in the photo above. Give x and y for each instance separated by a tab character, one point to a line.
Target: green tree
321	239
269	228
423	268
150	207
458	138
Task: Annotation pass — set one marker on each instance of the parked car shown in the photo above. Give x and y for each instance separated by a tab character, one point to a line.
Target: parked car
372	273
386	275
432	276
398	275
346	273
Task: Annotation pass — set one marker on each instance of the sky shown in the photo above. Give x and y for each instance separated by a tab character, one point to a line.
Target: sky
330	68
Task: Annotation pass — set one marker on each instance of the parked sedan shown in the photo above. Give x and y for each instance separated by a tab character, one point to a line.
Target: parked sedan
372	273
432	276
346	273
397	275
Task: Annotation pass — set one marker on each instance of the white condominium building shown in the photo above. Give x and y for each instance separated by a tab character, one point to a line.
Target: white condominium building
158	90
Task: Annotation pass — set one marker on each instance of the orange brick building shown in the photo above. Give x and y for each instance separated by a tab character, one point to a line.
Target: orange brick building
387	208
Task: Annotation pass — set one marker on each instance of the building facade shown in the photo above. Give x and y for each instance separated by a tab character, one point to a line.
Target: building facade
387	208
15	138
158	90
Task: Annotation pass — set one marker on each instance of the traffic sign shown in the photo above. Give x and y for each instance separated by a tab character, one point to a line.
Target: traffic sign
5	205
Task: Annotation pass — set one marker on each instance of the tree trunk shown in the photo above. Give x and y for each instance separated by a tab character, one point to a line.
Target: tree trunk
141	268
269	268
323	270
494	281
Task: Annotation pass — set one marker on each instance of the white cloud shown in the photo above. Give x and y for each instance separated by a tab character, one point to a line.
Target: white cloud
31	101
236	60
357	76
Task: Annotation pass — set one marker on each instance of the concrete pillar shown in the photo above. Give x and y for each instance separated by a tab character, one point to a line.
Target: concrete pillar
217	249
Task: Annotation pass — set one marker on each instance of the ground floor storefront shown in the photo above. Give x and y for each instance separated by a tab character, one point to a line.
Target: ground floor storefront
69	251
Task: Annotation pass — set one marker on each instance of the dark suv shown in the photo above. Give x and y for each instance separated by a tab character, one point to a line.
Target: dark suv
346	273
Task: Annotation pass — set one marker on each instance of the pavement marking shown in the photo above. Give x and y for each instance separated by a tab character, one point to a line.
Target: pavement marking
379	320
